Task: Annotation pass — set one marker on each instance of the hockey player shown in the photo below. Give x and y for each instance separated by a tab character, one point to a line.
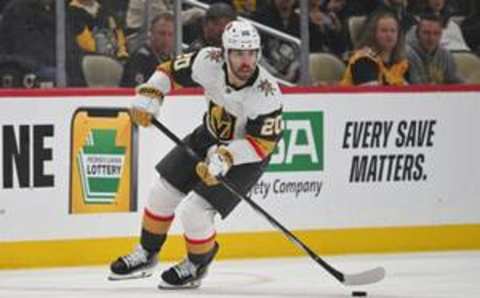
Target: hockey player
240	129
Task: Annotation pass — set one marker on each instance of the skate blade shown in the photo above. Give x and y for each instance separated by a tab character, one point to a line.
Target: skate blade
136	275
189	285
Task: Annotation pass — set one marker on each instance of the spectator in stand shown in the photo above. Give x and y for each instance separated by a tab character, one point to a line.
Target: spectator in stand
137	20
27	34
399	9
429	62
452	38
280	57
159	48
471	27
380	58
328	27
217	17
91	30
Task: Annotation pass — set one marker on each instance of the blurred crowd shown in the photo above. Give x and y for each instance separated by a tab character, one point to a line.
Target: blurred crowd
352	42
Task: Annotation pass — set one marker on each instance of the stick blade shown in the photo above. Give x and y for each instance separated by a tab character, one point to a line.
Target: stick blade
364	278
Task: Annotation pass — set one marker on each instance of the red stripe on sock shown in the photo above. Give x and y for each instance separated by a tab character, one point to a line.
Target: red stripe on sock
200	241
158	217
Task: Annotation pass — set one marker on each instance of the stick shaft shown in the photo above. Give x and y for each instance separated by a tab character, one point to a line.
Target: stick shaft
290	236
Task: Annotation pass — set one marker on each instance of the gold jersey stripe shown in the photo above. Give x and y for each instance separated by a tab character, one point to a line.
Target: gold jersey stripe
264	145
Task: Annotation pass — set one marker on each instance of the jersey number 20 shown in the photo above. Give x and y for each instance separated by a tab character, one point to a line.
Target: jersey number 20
182	61
272	126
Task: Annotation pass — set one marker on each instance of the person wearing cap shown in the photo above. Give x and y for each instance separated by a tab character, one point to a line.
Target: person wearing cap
217	17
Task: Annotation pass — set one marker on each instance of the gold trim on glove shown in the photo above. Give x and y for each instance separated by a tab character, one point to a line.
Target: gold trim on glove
202	167
202	171
150	91
140	117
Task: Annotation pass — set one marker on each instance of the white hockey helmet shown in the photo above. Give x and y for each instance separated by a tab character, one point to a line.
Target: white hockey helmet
241	35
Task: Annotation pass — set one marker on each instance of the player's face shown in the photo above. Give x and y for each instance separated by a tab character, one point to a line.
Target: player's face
429	35
242	63
387	34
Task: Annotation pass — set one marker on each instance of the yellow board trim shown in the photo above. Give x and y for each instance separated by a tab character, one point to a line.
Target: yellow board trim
81	252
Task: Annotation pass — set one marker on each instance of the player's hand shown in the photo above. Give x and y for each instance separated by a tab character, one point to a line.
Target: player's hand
219	161
146	105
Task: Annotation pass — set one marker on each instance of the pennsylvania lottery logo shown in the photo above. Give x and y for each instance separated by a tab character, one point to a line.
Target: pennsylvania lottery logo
302	145
100	163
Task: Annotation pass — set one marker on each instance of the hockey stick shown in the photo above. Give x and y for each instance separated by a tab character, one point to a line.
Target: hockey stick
361	278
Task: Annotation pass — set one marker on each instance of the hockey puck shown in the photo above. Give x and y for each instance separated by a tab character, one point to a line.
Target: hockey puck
359	294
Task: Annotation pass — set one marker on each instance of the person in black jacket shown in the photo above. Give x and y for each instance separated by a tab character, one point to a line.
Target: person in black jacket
159	48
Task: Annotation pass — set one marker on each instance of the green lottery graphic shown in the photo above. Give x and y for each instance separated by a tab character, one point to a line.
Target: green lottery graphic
101	162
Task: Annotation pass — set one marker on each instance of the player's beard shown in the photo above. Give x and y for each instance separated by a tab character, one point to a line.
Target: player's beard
243	72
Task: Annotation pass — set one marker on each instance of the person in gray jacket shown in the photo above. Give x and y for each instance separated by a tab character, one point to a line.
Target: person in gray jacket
429	62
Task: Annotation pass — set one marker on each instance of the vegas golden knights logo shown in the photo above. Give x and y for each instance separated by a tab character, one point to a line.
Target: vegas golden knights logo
220	122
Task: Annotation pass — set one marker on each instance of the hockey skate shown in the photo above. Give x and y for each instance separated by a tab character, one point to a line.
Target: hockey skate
138	264
186	274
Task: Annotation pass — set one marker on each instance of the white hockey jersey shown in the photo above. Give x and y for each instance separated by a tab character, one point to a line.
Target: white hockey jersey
247	119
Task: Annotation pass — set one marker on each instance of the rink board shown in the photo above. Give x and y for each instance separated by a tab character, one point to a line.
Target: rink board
357	172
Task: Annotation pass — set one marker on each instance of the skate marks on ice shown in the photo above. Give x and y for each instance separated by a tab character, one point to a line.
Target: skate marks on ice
91	282
437	275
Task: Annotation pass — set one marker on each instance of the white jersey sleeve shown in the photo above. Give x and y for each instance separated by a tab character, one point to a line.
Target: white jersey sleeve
207	65
187	70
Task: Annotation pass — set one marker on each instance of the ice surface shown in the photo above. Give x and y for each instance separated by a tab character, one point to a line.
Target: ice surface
448	275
